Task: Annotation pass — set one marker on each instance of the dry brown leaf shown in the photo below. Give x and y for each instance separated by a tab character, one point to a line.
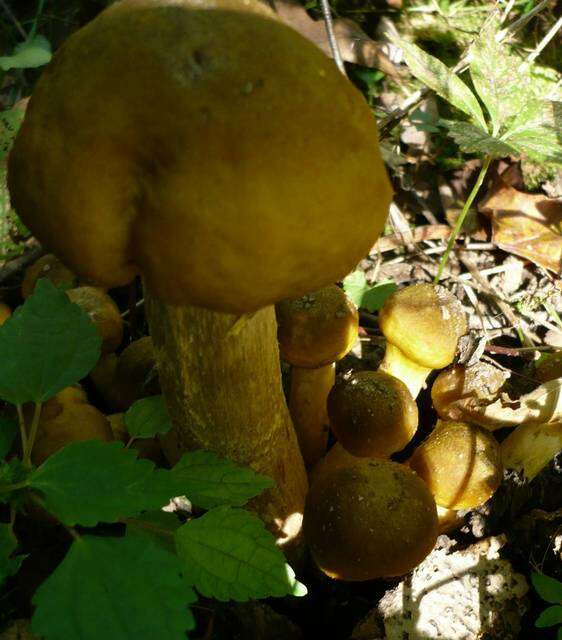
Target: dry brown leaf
541	406
354	44
525	224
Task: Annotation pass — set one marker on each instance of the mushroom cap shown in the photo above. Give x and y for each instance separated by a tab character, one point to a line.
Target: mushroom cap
461	464
103	312
47	266
369	520
425	322
372	413
317	328
136	373
67	417
207	146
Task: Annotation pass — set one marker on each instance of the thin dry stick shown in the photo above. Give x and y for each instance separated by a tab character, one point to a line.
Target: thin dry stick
332	40
13	18
542	44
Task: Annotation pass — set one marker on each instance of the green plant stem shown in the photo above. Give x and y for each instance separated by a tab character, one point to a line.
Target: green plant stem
36	20
32	434
23	433
8	488
460	220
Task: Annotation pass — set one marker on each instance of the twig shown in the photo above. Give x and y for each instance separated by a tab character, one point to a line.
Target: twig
17	264
334	47
13	18
542	44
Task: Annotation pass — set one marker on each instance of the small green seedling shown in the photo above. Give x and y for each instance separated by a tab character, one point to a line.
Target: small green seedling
550	590
522	115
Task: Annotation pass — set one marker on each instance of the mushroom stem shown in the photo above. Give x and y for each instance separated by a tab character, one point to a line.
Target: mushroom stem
307	404
223	392
400	366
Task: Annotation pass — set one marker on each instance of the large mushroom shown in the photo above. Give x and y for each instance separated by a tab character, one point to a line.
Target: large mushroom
215	151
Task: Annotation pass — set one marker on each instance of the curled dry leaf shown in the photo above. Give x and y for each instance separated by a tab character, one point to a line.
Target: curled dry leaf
526	225
354	44
541	406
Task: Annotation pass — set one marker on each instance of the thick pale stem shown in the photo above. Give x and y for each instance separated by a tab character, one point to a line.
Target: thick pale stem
223	391
398	365
307	404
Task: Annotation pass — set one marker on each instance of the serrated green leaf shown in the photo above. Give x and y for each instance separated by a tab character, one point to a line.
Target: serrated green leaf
147	417
90	482
209	481
437	76
8	544
365	296
116	589
549	617
48	344
536	131
549	589
503	88
8	431
34	52
472	139
229	555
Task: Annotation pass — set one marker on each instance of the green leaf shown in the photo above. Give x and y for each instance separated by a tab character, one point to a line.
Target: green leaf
116	589
8	544
437	76
472	139
536	131
34	52
10	121
549	617
48	344
549	589
8	431
209	481
159	526
496	77
90	482
364	295
229	555
147	417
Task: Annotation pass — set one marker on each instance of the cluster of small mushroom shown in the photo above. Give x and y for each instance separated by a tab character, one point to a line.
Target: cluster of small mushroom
120	380
366	516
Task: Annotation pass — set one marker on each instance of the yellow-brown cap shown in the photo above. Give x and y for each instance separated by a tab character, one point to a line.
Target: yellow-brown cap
372	413
461	464
369	520
424	322
318	328
205	144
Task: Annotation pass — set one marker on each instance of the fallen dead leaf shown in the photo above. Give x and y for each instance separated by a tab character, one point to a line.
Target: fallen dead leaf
525	224
541	406
354	44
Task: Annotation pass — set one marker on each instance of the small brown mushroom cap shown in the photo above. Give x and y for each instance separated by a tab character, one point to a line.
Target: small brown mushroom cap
318	328
424	322
103	312
461	464
65	418
369	520
47	266
230	191
136	375
454	389
372	413
5	313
